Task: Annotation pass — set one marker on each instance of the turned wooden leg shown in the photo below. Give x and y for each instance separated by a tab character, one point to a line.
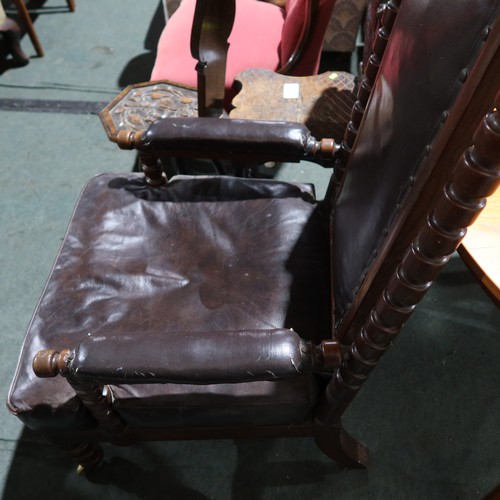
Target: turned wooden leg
338	445
10	29
24	14
86	455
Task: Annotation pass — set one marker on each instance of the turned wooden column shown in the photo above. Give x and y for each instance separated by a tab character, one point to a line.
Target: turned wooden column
476	176
95	397
388	17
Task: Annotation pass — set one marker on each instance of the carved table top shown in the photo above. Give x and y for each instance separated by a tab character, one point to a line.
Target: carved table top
322	102
137	106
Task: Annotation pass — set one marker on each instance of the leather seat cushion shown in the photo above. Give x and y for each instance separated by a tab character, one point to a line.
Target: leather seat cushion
199	254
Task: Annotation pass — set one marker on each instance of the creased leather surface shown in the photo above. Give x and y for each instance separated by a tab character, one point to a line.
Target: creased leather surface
419	79
173	259
228	138
186	357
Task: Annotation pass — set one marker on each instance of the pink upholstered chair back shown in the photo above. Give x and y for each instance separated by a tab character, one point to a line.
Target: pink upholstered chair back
303	34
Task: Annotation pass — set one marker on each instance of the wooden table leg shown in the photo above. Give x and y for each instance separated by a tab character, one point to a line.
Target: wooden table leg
71	5
24	14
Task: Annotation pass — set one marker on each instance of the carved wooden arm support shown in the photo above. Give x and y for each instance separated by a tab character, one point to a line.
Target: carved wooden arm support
190	358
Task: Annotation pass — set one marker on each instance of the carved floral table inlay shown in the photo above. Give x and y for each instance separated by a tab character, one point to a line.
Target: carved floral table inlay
137	106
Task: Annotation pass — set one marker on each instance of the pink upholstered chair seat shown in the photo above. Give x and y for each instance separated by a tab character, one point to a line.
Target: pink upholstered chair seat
254	42
263	36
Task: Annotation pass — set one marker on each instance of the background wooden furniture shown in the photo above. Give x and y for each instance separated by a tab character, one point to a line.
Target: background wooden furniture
322	102
344	25
10	30
263	36
26	19
480	249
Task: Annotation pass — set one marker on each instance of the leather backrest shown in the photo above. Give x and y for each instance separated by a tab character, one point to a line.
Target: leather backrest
435	51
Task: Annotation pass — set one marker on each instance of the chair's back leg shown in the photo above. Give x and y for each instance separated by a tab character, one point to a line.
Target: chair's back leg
338	445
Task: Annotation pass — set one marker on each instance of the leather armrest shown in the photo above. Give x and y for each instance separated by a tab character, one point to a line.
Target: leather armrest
228	139
186	357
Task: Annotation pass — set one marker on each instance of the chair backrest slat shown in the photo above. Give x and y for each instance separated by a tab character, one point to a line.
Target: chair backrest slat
209	46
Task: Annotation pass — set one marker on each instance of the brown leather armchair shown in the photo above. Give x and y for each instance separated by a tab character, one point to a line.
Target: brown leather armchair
221	307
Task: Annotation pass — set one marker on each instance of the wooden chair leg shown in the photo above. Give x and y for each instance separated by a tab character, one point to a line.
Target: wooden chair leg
10	29
88	456
24	14
71	5
338	445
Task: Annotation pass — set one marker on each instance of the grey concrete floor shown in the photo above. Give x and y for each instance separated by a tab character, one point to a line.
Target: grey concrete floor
429	413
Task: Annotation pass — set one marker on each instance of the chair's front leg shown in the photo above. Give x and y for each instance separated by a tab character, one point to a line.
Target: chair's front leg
95	397
87	455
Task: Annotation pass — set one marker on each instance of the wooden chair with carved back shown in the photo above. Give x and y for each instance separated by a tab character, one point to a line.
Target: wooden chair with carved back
206	43
323	103
217	307
248	34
